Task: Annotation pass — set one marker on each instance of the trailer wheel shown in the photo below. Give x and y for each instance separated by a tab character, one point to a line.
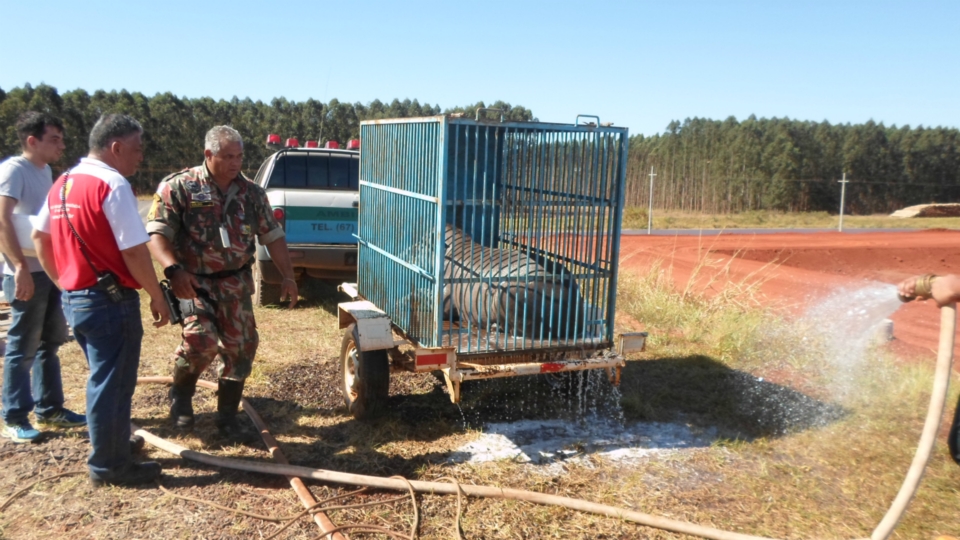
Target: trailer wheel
264	294
364	378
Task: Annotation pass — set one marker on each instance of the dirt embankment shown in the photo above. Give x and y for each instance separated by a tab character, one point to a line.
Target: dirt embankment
795	270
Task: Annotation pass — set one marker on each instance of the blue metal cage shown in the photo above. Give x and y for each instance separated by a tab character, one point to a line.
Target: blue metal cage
492	237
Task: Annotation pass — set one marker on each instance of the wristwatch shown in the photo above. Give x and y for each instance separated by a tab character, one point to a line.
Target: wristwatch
172	269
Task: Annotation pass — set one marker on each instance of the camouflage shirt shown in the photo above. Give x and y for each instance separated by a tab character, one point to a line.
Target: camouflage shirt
189	209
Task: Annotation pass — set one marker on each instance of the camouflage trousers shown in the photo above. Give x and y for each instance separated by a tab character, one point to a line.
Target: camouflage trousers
222	329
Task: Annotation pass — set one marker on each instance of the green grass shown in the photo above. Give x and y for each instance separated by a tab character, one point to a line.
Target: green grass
636	218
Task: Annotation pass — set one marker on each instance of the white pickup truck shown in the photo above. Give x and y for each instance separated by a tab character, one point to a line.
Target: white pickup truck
314	194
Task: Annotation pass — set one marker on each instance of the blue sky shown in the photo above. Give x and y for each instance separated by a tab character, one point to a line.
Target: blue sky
638	64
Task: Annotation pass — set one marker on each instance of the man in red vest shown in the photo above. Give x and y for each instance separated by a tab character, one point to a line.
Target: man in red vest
93	245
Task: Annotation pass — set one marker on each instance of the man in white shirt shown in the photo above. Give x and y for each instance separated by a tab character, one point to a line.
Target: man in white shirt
38	327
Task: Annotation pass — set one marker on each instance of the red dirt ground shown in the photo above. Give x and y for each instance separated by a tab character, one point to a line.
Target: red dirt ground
797	269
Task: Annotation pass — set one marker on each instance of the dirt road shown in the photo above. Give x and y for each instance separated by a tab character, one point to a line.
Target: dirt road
794	270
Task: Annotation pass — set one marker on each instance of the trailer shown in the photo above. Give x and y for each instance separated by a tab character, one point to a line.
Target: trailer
486	249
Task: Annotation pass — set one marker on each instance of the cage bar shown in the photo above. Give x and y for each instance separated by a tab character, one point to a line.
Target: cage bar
492	237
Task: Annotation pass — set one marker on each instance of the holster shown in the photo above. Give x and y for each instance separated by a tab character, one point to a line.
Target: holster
180	309
187	308
174	303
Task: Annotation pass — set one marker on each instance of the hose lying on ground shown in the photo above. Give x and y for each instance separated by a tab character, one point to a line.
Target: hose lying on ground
442	488
883	530
306	498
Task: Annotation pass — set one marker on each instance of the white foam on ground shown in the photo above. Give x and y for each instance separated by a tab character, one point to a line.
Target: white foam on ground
550	441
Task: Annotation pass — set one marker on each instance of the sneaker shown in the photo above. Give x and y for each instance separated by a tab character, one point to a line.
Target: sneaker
137	473
63	418
20	433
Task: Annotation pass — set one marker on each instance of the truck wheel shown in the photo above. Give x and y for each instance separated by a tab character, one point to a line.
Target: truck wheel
364	378
264	294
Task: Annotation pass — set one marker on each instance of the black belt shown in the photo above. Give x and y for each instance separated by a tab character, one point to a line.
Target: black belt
223	274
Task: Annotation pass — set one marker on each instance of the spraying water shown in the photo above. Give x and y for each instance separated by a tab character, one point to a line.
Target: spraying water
850	322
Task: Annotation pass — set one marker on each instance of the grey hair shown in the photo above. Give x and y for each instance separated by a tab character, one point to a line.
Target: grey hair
111	127
218	135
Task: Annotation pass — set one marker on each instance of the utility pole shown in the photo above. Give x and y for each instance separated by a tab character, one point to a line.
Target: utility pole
843	193
650	210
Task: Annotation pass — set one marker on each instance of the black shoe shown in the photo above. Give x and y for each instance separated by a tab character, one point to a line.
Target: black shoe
136	444
181	397
137	473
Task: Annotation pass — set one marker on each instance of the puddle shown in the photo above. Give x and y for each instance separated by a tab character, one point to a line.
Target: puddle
551	441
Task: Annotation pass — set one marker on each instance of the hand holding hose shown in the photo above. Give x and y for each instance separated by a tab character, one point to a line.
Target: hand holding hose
943	289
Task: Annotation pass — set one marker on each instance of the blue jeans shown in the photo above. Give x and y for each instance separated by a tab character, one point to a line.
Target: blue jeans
109	334
36	332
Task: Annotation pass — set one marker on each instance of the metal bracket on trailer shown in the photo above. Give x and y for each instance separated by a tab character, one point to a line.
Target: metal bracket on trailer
453	377
350	289
374	329
631	342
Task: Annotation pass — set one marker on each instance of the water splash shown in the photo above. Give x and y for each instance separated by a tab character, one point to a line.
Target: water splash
545	442
849	323
582	397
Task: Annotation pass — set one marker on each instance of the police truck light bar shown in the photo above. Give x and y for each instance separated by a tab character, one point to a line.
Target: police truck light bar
332	144
292	143
353	144
311	144
273	138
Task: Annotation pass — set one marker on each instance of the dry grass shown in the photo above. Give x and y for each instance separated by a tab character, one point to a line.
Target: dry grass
636	218
789	459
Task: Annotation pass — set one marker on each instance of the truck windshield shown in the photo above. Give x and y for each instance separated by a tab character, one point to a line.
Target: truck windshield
313	171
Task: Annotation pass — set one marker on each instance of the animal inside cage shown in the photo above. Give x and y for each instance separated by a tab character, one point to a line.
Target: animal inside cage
492	237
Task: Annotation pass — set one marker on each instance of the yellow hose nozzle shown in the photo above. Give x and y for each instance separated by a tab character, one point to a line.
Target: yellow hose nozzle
923	288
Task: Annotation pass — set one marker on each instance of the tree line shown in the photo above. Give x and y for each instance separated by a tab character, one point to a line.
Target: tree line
701	165
174	127
728	166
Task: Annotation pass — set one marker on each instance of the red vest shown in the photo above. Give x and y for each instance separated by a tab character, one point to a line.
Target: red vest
85	196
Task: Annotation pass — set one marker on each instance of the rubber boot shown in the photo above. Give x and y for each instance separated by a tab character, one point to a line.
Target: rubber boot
229	394
181	397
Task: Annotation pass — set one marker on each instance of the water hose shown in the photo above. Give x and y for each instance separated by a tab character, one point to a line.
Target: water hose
306	498
948	321
443	488
928	437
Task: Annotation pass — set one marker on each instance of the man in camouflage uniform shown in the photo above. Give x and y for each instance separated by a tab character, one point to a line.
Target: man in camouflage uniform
203	225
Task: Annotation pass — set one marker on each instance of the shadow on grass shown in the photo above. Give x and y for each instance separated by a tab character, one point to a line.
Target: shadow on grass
323	294
705	392
305	411
318	293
